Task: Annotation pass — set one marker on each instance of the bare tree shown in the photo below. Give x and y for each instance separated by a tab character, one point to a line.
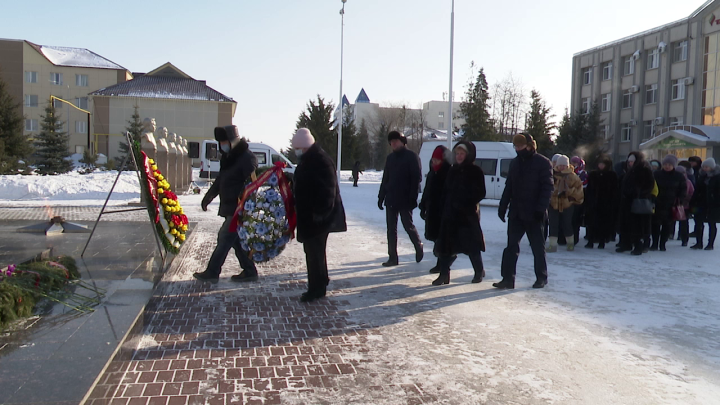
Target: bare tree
508	105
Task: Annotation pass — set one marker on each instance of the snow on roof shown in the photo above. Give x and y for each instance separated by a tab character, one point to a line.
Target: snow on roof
165	88
75	57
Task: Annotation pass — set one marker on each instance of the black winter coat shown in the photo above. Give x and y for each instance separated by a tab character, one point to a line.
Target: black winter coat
235	169
318	204
705	202
672	189
601	203
401	180
638	182
460	230
528	187
432	198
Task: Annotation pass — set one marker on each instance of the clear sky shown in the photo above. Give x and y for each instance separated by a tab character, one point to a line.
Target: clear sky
274	56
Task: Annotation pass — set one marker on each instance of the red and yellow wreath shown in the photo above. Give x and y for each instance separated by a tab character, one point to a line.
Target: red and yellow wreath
170	220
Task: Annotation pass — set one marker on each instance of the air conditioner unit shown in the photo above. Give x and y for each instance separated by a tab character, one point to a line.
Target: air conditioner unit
634	89
636	55
661	47
688	81
633	123
660	121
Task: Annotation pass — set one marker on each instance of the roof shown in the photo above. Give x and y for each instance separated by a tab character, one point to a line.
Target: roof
74	57
362	97
680	137
165	82
345	101
652	30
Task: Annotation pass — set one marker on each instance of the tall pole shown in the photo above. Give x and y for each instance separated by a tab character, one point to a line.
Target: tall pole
450	92
342	117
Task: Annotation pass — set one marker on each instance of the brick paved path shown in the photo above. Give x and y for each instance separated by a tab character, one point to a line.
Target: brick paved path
255	343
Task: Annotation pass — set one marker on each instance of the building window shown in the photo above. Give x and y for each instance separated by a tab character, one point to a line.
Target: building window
628	65
678	90
59	127
587	76
81	80
676	121
81	127
31	100
585	109
30	77
605	102
81	102
627	99
605	131
79	149
651	94
653	59
648	129
441	114
626	133
57	103
441	125
680	51
607	69
31	125
56	78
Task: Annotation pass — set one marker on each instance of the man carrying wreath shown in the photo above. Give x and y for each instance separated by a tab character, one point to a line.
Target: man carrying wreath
237	164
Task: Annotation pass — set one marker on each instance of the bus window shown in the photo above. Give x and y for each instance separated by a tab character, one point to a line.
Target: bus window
211	153
261	158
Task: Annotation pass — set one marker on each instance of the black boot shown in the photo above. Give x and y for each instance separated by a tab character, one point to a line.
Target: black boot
478	277
589	245
393	261
662	247
540	284
444	278
639	246
654	246
207	277
419	253
601	245
697	246
505	285
435	270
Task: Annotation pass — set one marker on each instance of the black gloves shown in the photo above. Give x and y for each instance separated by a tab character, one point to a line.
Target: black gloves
539	216
501	213
380	205
204	204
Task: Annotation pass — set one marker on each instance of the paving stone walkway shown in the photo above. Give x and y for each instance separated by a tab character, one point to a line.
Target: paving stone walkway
247	343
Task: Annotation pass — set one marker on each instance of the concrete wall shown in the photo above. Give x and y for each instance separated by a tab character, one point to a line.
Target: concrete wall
11	70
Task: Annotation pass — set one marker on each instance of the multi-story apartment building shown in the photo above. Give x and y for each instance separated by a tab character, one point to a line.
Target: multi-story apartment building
658	90
36	72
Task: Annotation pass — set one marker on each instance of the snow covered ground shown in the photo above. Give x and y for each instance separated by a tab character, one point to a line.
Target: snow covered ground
609	328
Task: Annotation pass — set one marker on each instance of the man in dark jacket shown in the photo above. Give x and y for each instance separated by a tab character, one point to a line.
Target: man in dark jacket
356	173
527	191
399	192
237	164
319	209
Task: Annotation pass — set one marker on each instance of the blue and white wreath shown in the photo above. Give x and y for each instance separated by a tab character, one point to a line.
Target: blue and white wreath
264	225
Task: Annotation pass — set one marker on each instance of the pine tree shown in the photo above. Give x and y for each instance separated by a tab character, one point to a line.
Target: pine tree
318	118
364	146
475	109
135	129
382	148
538	124
580	134
15	146
52	144
349	140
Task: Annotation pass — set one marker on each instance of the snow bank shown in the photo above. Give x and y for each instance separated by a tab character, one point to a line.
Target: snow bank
367	176
70	186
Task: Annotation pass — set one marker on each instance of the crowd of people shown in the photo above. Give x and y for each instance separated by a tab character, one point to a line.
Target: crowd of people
639	204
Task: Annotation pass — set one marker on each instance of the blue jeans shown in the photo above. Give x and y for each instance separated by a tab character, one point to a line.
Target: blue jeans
229	240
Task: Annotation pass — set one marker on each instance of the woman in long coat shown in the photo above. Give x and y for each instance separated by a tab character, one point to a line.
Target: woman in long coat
460	230
432	197
567	194
638	183
672	189
601	201
706	203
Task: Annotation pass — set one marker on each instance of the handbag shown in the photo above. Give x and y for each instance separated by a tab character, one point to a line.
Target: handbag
678	212
642	206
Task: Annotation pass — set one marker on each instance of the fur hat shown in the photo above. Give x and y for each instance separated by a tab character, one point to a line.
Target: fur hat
302	139
709	162
524	139
397	135
670	160
562	161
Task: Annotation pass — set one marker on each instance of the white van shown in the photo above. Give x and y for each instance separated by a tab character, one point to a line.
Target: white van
265	154
493	158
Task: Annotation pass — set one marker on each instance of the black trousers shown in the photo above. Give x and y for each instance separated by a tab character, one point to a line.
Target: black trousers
391	216
316	263
227	240
517	228
355	180
661	229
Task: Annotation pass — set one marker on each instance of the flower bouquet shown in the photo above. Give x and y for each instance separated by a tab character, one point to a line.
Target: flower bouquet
163	205
265	218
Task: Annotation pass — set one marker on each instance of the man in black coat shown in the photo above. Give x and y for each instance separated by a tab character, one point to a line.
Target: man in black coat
399	192
319	209
237	164
527	191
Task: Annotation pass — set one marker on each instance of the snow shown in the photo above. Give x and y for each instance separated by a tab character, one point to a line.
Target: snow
609	327
78	57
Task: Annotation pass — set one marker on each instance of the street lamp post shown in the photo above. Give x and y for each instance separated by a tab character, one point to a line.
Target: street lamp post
342	118
450	92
